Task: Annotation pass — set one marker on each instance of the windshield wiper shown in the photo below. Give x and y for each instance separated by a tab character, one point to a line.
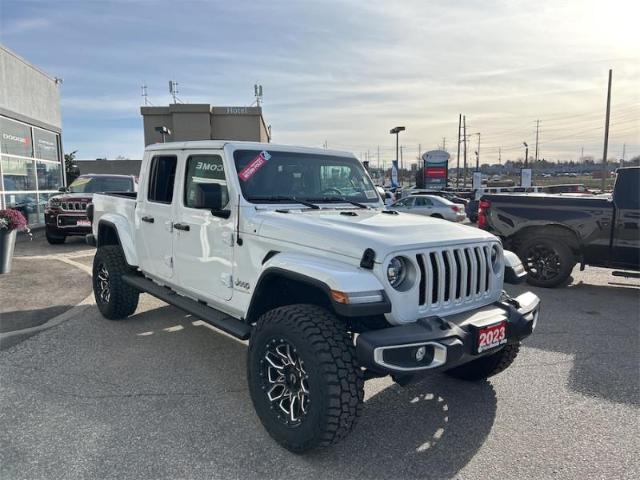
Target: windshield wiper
339	200
282	198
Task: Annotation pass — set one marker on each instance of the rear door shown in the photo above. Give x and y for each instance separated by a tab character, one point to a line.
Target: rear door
625	248
154	218
203	242
423	206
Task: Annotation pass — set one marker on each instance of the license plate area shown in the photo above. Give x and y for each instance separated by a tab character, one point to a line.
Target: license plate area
490	337
83	223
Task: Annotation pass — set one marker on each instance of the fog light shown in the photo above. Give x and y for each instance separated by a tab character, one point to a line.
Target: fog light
420	353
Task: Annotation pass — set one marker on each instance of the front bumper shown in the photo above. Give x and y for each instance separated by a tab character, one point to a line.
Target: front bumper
59	223
449	341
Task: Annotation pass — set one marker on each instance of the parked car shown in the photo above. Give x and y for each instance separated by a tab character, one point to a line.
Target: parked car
451	196
66	214
431	206
551	233
265	243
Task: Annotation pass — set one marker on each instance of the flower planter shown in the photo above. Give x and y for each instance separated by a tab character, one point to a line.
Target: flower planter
7	244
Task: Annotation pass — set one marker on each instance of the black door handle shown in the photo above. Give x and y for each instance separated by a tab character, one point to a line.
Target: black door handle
181	226
147	219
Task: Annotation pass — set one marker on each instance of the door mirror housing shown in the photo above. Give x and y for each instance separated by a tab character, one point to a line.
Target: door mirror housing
211	196
63	189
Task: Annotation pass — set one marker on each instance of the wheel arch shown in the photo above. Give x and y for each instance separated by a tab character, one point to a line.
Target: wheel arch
570	236
289	278
112	230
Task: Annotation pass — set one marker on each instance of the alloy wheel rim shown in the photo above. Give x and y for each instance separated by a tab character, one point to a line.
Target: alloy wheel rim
285	382
543	262
104	291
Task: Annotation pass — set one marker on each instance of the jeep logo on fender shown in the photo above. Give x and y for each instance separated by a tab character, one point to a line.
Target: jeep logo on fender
241	284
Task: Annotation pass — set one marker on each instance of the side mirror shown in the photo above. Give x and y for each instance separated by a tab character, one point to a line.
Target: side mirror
62	189
211	196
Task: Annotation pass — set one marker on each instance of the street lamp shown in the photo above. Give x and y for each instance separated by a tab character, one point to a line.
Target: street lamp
526	154
164	131
396	131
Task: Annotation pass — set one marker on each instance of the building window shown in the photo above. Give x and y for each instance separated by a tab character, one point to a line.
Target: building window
30	168
45	145
15	138
18	174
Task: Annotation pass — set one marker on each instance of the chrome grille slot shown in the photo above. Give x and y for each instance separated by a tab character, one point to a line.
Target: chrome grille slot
454	276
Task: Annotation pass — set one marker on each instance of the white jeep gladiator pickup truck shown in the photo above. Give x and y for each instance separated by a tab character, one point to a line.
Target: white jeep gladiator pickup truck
292	249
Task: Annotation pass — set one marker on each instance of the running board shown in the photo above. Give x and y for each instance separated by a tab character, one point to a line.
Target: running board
210	315
618	273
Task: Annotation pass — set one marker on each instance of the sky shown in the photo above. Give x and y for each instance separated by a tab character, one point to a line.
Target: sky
345	72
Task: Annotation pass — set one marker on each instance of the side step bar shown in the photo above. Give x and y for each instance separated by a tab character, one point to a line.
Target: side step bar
213	317
626	274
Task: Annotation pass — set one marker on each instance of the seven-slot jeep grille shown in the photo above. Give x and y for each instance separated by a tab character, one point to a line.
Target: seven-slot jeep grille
456	275
74	206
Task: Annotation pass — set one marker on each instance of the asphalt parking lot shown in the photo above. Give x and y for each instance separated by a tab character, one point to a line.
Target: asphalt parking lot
160	395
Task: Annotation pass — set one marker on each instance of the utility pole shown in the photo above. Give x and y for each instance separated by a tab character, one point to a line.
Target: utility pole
581	155
464	137
624	150
478	155
537	128
401	168
606	134
444	144
499	155
421	163
458	156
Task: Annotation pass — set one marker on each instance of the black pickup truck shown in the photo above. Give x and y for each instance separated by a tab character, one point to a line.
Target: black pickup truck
552	233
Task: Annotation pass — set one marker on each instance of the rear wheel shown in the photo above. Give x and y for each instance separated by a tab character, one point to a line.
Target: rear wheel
548	260
305	383
115	299
488	366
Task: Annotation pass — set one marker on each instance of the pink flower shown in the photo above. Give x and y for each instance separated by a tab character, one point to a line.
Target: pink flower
12	220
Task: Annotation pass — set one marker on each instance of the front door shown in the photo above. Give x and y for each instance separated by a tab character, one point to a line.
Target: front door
154	218
625	251
203	242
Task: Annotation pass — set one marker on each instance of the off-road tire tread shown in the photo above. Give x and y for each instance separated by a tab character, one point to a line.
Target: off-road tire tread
332	346
488	366
124	298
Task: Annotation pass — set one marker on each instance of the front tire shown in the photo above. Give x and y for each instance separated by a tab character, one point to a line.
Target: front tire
115	299
487	366
54	239
304	380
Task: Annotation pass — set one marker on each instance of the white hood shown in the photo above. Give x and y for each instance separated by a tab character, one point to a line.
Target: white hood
331	231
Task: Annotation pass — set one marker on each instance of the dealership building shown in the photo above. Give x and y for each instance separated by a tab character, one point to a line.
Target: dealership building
31	161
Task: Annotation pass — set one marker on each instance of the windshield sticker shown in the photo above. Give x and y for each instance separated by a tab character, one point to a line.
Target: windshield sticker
371	194
254	165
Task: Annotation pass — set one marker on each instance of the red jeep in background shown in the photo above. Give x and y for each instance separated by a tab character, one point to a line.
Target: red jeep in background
66	214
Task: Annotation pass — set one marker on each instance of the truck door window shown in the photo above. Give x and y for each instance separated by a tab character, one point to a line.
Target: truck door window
204	169
162	175
626	192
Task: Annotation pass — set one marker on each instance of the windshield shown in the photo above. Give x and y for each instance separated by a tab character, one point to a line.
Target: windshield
101	184
270	177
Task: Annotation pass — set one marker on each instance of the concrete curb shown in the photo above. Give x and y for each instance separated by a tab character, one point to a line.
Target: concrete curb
9	339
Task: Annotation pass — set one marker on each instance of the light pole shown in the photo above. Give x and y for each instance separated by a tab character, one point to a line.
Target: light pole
164	131
526	154
396	131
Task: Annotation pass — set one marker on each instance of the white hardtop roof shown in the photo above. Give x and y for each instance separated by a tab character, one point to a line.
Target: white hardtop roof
219	144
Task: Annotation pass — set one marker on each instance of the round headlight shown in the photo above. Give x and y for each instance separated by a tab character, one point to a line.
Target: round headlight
54	202
396	271
495	258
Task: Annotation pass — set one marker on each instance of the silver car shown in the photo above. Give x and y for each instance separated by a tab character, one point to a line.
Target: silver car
431	206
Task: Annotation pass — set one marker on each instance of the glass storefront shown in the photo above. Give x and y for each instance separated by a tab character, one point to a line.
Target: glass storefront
30	168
